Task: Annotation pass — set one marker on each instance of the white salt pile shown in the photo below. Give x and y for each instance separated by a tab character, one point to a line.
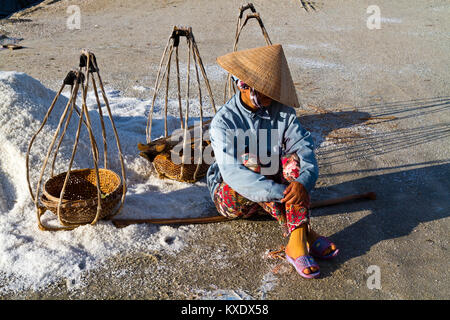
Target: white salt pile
33	259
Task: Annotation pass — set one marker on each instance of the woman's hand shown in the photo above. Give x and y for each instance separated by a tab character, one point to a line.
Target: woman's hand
295	193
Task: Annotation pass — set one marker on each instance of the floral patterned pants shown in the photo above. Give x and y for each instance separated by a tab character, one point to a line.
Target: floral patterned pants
232	205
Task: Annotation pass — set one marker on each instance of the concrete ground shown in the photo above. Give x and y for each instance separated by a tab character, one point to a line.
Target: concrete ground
378	99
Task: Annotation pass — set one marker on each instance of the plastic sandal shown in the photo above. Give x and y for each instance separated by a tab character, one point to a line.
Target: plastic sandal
319	246
303	262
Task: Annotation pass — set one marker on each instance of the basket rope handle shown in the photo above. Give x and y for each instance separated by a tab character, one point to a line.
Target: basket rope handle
261	25
155	92
167	92
185	145
90	67
116	136
40	210
205	77
36	199
91	71
70	79
61	195
198	64
200	140
100	112
239	26
27	157
166	58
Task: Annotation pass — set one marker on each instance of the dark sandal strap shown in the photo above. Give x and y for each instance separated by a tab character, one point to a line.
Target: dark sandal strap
321	244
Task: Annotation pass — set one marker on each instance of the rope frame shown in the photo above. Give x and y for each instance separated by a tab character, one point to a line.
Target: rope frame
239	26
76	78
193	56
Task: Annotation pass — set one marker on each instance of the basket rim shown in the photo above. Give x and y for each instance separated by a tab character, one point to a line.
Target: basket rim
159	167
76	203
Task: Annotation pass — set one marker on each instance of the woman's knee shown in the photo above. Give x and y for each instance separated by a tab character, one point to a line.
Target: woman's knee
230	204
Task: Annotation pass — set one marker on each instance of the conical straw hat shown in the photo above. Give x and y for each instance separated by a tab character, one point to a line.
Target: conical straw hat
265	69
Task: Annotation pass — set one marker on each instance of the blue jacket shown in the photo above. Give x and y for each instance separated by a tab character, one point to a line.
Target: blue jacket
284	134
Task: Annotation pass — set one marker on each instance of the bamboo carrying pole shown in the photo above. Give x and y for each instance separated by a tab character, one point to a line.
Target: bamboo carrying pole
121	223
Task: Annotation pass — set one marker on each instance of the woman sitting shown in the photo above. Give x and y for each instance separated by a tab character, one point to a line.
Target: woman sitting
264	158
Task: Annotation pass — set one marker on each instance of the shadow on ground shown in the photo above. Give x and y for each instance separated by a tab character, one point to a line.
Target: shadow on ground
405	199
375	142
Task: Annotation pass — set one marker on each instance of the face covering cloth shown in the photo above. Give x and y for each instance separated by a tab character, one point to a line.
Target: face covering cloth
253	94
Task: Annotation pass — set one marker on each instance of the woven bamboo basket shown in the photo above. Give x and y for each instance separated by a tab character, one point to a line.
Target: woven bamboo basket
185	173
79	205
